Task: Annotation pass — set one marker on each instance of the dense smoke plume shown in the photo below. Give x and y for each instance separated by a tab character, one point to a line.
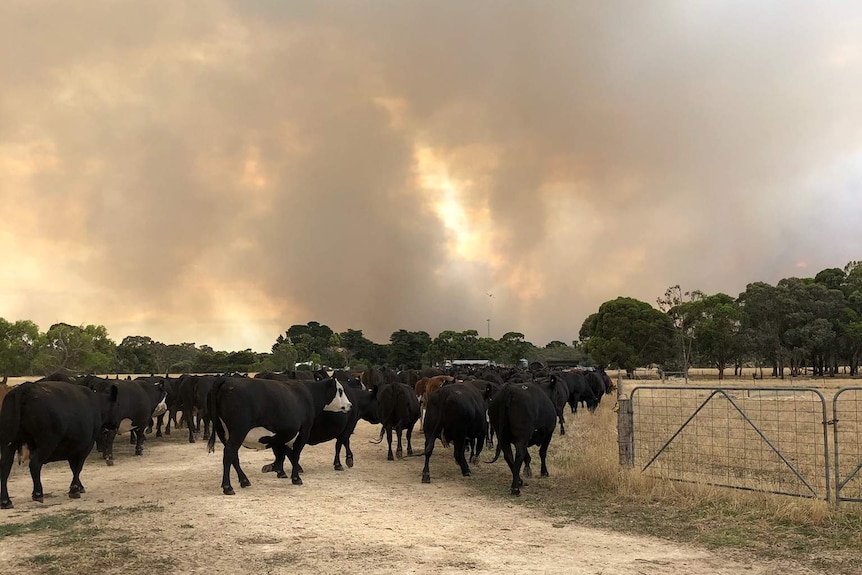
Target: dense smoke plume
217	171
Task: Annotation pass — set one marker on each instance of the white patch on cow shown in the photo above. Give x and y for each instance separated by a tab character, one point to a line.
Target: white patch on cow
252	438
340	403
224	426
290	443
125	426
160	408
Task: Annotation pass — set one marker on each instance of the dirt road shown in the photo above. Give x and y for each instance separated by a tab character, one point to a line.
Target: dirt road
164	512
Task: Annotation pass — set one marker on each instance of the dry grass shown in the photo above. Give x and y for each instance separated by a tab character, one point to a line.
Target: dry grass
588	485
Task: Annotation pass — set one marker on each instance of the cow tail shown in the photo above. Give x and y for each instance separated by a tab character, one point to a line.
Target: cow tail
10	417
212	407
504	412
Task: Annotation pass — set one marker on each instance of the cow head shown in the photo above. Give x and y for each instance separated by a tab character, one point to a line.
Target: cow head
340	403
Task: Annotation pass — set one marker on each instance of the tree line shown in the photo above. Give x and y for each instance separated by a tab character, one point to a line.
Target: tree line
791	327
796	325
25	350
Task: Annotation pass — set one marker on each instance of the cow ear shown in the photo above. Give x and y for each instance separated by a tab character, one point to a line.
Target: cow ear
114	392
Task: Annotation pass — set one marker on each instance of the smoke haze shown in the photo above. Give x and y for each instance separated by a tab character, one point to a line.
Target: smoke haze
218	171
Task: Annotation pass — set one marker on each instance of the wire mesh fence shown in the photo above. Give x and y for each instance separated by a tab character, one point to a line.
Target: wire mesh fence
847	415
756	438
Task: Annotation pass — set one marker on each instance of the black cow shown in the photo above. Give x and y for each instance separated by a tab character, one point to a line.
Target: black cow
137	402
193	395
52	421
174	403
579	390
329	425
263	413
558	393
399	408
522	415
456	414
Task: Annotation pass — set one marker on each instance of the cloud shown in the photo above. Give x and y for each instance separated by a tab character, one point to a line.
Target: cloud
216	172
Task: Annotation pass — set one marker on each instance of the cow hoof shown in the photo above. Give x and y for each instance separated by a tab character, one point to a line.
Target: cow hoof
465	473
267	468
281	475
139	452
528	473
426	478
389	457
74	494
409	451
544	474
228	491
339	467
158	434
206	435
38	498
244	483
191	439
516	492
6	504
167	432
349	462
81	489
562	432
299	469
399	454
296	480
109	462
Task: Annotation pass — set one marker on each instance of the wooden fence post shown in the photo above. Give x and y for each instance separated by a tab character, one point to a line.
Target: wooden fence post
625	426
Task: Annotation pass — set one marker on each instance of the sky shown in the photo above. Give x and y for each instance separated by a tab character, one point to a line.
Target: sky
217	171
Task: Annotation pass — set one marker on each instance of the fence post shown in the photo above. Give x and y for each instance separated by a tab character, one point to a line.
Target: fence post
625	431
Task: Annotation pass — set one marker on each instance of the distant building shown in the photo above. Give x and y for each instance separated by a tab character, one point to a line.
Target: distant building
471	362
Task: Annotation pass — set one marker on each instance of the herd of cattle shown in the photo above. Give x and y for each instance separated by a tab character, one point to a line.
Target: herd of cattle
61	418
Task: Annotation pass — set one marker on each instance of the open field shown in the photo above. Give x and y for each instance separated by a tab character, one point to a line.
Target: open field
165	511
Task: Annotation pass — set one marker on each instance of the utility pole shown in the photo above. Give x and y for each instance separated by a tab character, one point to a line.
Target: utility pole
490	297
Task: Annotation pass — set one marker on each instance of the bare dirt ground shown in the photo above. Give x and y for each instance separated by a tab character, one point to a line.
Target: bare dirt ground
164	512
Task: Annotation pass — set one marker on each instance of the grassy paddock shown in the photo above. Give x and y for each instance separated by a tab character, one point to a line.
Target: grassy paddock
588	485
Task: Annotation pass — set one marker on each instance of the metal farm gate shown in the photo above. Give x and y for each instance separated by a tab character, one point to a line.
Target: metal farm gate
847	417
771	439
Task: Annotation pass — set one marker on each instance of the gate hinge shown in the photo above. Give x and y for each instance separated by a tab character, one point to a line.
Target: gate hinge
830	422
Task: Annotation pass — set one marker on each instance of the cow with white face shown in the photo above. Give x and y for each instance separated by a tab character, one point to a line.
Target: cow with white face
262	413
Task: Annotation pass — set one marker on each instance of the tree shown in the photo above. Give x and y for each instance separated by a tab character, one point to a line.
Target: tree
628	333
283	356
19	344
678	305
513	347
76	348
717	323
406	348
136	354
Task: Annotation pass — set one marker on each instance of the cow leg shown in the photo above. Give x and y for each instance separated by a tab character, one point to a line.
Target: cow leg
230	458
76	488
160	420
409	439
206	427
7	456
150	425
349	458
190	423
506	448
430	439
108	453
389	441
140	437
36	476
297	468
399	452
528	471
280	451
336	464
458	449
543	453
517	482
133	436
562	421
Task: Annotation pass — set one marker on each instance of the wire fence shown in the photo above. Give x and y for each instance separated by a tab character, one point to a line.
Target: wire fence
847	416
770	439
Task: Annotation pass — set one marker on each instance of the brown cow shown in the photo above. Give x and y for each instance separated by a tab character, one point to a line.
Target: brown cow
431	385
